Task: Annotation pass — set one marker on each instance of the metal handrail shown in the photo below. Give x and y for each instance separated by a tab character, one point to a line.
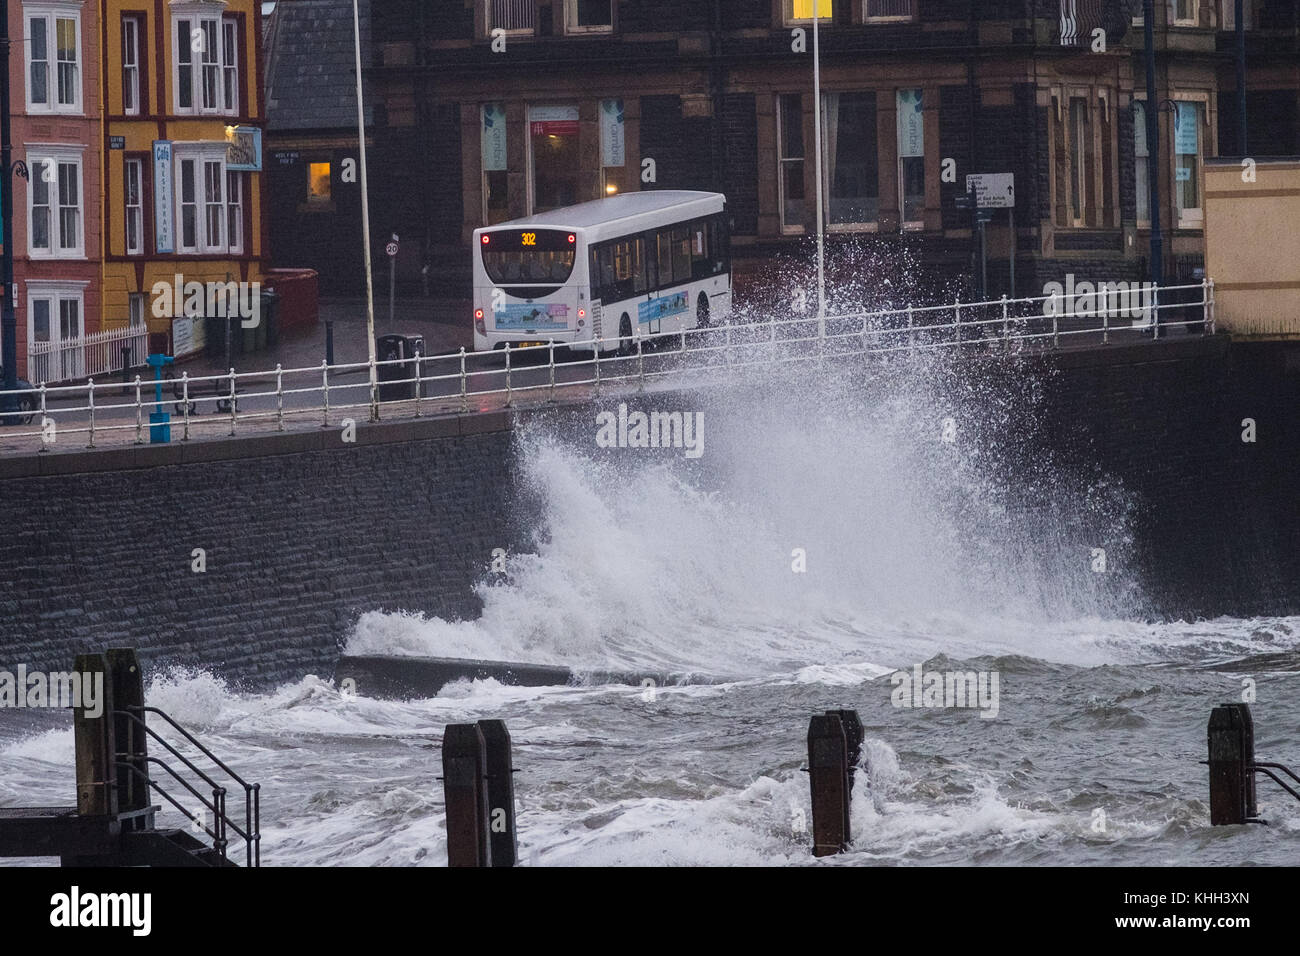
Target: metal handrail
251	832
217	806
722	347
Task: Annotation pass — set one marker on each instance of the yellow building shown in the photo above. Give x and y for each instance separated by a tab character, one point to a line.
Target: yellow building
1252	246
181	190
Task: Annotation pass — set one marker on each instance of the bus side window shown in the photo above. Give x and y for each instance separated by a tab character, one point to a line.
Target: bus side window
648	241
665	258
701	266
638	265
681	254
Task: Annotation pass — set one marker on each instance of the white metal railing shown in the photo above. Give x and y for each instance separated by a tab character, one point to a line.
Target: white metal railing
95	354
461	381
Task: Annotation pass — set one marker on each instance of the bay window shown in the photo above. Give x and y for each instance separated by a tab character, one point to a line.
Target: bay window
209	201
205	48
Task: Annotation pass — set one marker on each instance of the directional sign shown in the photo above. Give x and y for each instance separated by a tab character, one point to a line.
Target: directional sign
993	190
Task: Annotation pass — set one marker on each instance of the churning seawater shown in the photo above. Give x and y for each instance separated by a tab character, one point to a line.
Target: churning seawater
931	531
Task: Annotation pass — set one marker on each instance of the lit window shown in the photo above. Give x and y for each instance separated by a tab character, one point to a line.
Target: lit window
318	182
801	11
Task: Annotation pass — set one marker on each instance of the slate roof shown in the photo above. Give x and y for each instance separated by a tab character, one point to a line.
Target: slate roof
311	65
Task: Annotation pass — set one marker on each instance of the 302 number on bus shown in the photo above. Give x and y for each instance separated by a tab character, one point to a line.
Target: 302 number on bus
528	239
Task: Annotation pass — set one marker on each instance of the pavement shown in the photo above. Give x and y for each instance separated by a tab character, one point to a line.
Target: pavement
446	324
267	401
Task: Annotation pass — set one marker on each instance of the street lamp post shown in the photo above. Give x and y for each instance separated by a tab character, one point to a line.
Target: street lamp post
817	135
1153	151
365	221
8	323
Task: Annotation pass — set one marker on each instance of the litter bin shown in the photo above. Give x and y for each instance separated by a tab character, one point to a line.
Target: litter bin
218	328
271	316
397	380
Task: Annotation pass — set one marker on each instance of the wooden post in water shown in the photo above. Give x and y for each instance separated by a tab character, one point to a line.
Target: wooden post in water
127	679
1231	735
95	747
853	752
500	793
828	776
464	784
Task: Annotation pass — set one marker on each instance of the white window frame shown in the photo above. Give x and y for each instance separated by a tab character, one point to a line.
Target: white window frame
1141	169
1184	21
571	19
60	156
198	16
51	12
828	174
229	63
133	211
131	29
235	211
57	291
135	310
511	31
1193	217
826	18
887	18
792	229
905	224
1077	151
201	154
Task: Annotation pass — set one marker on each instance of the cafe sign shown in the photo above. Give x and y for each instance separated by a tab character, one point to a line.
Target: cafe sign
244	148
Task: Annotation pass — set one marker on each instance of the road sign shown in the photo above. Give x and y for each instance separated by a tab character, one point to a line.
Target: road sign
391	249
993	190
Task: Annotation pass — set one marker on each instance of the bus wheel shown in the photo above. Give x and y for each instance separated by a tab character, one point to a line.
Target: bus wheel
626	346
702	312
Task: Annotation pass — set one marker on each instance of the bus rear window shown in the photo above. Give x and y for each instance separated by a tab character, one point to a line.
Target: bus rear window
528	256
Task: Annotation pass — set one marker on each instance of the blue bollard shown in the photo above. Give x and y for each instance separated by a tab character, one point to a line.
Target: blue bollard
160	431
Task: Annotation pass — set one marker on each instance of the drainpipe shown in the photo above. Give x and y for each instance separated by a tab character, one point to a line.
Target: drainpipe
1241	78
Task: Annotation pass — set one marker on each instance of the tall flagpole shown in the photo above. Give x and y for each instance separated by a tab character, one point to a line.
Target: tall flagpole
365	221
817	135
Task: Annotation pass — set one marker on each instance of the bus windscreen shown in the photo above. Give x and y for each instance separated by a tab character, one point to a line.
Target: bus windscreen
528	255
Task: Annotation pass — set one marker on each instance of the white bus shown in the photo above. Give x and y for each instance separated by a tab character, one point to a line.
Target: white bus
609	271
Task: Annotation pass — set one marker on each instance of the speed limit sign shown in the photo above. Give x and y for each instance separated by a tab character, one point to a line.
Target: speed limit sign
391	249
